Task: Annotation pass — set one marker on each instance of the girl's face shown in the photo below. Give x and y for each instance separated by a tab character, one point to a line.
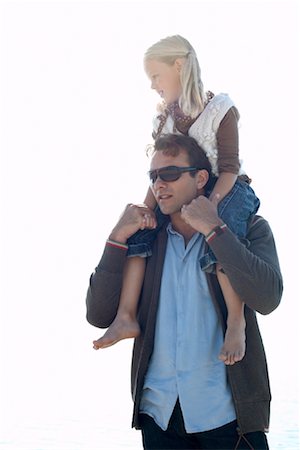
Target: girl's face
165	79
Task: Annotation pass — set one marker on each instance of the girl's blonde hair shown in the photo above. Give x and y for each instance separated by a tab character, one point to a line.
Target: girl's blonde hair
167	50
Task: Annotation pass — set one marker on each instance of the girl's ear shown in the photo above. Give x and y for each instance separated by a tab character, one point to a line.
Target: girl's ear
202	178
178	64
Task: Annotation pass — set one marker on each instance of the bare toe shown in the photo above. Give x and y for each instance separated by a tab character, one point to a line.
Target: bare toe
119	329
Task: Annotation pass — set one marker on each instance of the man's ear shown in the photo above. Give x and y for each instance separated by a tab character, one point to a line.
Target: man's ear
202	178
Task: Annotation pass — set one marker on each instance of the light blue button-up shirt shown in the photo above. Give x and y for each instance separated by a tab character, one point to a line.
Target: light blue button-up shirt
188	339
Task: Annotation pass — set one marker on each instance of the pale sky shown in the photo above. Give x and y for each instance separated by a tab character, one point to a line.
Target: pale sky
76	111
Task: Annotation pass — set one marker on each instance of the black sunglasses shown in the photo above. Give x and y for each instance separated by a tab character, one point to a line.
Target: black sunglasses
169	173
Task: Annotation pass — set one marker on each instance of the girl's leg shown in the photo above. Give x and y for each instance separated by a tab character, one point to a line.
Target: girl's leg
125	324
234	346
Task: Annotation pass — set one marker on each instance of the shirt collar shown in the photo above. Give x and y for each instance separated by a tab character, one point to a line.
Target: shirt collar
171	231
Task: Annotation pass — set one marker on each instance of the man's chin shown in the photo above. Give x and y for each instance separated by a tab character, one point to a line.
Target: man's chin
169	211
165	210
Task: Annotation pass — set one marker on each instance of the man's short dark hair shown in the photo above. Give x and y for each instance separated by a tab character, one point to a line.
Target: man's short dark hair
173	144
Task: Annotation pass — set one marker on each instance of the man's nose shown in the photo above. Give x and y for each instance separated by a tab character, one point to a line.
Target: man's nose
158	183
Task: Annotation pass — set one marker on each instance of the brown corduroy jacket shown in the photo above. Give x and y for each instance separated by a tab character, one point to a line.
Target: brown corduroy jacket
255	275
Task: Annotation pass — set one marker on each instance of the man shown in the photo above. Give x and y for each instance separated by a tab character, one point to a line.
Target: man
184	396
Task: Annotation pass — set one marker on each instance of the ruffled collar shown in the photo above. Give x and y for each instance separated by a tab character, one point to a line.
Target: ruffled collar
182	121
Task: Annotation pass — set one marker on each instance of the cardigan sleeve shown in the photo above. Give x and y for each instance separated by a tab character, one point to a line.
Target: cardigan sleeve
102	299
253	269
228	143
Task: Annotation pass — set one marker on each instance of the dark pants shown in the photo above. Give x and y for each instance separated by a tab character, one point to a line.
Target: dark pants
175	437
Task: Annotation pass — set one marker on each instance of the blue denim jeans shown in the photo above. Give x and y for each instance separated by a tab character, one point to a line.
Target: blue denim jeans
235	210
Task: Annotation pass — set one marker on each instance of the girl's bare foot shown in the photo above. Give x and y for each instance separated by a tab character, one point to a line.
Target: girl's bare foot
121	328
234	346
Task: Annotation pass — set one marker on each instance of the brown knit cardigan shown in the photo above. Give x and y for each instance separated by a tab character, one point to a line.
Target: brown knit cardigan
255	275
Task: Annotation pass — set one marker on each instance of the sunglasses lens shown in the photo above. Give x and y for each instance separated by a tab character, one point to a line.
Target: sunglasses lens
153	176
169	175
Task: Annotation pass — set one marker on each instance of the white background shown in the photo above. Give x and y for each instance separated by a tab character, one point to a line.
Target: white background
76	111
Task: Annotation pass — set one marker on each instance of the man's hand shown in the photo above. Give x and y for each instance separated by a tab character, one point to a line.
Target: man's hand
133	218
202	214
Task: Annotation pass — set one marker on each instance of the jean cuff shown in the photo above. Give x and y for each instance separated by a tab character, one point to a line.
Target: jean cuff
143	250
208	263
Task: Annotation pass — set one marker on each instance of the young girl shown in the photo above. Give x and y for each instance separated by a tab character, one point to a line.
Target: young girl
173	69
